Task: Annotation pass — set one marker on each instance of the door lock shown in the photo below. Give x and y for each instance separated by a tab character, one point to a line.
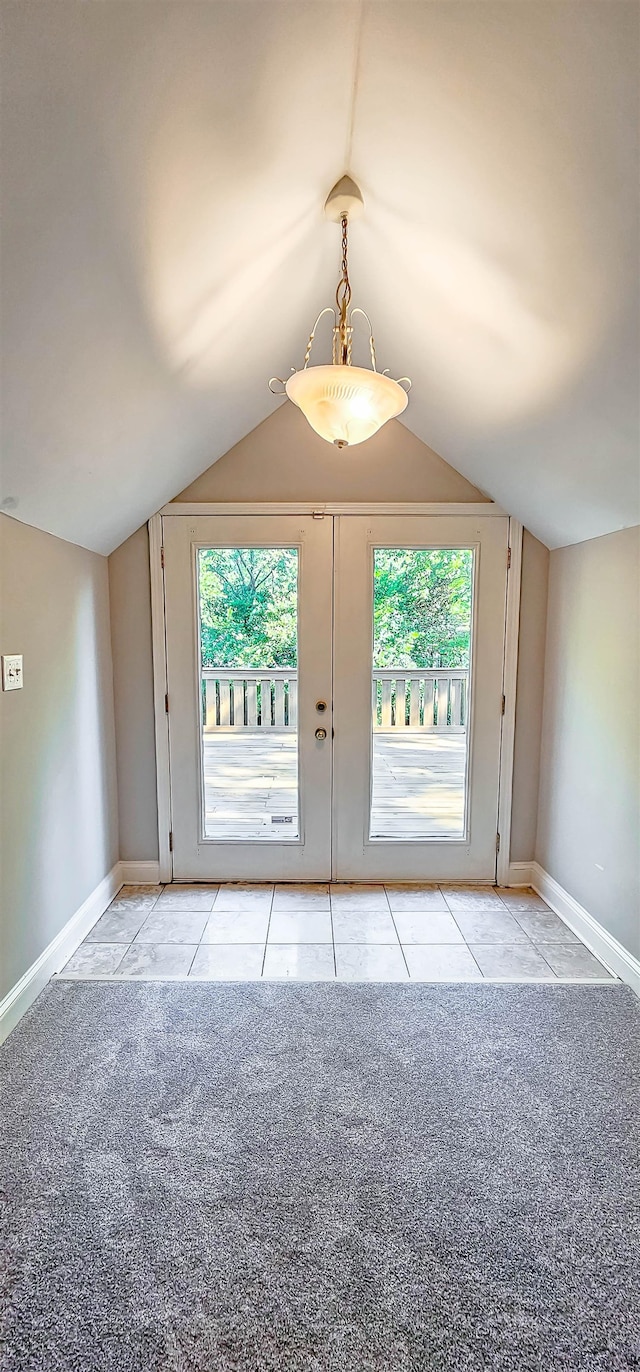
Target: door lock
321	734
321	706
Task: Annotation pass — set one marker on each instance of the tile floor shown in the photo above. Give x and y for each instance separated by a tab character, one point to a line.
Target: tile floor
243	932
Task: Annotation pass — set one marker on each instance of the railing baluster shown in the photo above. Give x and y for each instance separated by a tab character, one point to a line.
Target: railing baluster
252	702
210	701
401	703
225	703
414	702
386	703
456	701
279	705
265	704
237	692
443	701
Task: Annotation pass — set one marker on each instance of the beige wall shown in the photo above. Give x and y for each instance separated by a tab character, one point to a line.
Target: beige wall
284	460
58	821
589	817
529	696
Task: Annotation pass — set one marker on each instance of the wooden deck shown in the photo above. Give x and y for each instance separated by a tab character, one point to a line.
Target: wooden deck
418	784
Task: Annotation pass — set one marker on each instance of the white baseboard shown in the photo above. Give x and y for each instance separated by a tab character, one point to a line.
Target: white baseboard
519	874
58	952
139	873
596	937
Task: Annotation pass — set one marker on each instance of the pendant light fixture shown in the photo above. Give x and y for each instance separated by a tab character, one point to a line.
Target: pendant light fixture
344	404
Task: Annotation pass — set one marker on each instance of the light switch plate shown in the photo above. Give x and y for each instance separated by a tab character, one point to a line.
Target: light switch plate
12	672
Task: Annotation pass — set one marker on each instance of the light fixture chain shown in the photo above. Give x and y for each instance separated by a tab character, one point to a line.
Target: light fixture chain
343	296
343	293
345	264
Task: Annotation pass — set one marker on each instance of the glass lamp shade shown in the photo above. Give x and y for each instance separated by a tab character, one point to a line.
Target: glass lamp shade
345	405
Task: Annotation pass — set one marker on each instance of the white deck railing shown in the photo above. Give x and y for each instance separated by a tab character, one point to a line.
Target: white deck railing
237	698
434	698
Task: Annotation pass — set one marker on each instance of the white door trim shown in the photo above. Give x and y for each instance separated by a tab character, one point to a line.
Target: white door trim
510	678
297	507
512	630
158	639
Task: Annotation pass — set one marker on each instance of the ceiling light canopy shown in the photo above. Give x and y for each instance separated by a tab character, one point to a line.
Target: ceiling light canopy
344	404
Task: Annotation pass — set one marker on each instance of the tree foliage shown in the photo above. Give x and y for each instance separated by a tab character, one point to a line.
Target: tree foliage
421	607
248	599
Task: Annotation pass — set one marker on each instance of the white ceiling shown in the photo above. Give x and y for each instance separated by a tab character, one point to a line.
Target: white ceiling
164	252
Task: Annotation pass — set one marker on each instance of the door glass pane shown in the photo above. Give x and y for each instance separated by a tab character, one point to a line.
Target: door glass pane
248	606
422	616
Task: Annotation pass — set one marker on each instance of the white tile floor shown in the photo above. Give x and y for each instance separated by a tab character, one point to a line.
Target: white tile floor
242	932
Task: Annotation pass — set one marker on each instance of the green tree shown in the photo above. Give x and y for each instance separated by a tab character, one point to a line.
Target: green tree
248	607
422	607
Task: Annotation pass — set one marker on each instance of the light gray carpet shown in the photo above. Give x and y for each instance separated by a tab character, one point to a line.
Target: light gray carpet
328	1178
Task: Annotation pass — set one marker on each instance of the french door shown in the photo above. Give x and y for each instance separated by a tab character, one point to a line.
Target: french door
335	690
417	756
249	672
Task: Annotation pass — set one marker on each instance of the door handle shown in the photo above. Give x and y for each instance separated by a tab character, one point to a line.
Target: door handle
321	734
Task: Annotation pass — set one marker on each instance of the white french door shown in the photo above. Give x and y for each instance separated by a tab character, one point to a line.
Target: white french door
335	692
250	780
417	755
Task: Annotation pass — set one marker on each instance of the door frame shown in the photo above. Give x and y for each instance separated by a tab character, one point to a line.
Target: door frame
158	634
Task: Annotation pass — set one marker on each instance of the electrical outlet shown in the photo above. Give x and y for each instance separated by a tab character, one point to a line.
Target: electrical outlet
12	672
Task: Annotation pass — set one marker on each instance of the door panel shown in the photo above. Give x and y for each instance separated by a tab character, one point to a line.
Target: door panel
249	655
417	740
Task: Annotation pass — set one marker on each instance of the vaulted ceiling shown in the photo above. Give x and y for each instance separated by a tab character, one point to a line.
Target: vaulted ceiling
164	250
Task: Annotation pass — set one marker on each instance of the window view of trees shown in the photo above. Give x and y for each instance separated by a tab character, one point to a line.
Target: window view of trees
422	607
248	607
